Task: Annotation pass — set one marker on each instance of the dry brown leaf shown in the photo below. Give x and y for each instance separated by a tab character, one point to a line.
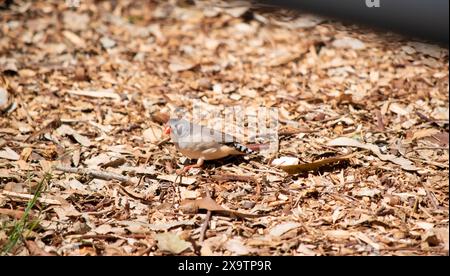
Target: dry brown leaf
338	234
48	128
143	227
27	197
81	139
285	161
349	42
363	237
282	228
3	99
367	192
35	250
207	203
305	250
75	39
172	243
9	154
441	138
114	163
102	93
426	132
237	247
17	214
153	134
178	66
348	142
398	109
160	117
185	180
302	168
442	234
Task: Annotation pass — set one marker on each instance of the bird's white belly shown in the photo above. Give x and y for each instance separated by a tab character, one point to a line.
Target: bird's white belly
209	154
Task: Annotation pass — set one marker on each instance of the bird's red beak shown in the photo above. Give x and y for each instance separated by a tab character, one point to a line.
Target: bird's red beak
167	130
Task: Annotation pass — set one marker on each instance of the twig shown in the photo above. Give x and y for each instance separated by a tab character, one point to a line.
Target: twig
95	174
205	226
431	148
206	221
429	162
29	197
123	191
109	236
163	141
232	177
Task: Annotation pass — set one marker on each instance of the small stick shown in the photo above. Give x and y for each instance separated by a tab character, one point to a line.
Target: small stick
41	199
206	222
124	192
95	174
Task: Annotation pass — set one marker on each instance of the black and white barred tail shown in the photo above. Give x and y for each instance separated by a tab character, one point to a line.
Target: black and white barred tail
241	148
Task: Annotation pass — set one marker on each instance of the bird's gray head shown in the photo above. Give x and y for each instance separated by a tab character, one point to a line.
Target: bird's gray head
178	128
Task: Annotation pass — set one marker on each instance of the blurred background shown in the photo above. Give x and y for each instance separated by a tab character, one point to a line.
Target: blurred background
425	19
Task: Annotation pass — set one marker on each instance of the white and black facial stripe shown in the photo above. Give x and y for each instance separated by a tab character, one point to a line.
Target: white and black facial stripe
180	128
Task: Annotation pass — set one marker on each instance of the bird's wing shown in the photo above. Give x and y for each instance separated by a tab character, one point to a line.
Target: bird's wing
200	138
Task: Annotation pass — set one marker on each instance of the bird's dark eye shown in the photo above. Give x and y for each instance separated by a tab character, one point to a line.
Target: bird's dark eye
182	129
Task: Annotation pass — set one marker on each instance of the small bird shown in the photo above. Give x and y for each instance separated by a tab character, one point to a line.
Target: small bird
202	143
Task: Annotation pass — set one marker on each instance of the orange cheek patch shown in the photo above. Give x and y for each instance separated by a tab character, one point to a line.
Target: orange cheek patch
167	130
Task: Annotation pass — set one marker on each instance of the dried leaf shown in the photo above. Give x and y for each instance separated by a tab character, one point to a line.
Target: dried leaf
3	99
17	214
363	237
348	42
142	227
35	250
107	42
302	168
114	163
428	49
172	243
282	228
348	142
285	161
152	134
398	109
64	130
367	192
83	140
441	138
75	39
207	203
178	66
442	234
304	250
160	117
237	247
28	197
185	180
103	229
9	154
104	93
48	128
423	133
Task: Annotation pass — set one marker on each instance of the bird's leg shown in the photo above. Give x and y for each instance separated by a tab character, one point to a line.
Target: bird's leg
199	164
